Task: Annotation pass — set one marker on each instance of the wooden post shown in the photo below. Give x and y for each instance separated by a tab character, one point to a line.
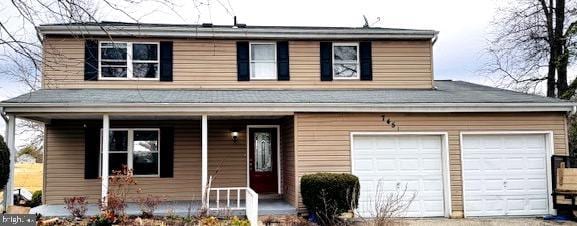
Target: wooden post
204	177
105	156
10	140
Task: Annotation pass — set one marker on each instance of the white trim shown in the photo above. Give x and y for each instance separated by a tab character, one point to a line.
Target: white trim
10	142
130	149
444	157
549	145
278	157
270	108
204	157
129	61
105	152
250	61
358	76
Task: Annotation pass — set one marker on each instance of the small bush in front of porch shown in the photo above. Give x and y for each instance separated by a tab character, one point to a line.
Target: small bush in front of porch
327	195
76	205
120	185
148	203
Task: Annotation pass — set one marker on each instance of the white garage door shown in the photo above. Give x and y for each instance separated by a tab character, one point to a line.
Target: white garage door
505	175
388	163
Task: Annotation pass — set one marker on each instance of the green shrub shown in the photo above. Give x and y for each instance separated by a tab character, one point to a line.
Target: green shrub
36	199
329	194
4	163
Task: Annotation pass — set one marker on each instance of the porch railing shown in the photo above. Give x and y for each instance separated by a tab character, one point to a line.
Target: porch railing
234	199
252	206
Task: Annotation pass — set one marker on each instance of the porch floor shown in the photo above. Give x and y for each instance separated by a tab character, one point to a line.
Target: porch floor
179	208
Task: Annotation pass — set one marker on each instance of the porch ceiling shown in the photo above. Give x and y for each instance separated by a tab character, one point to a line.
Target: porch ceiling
47	117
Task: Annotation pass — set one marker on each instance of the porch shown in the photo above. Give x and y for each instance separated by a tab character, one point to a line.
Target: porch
178	208
189	160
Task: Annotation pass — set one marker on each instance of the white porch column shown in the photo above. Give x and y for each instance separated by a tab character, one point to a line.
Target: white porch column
10	139
204	164
105	154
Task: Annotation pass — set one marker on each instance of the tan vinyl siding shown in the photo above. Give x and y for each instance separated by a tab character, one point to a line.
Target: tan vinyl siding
211	64
65	164
323	139
226	160
288	161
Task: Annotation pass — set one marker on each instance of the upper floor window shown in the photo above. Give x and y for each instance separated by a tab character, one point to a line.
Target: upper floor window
345	61
129	60
263	61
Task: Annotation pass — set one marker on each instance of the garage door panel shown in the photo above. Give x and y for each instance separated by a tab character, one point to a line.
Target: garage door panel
385	164
487	206
537	204
504	175
409	164
399	162
536	163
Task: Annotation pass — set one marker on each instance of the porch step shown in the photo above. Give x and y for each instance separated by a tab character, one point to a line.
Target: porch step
269	196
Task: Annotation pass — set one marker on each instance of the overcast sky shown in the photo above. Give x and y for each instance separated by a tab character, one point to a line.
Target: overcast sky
458	53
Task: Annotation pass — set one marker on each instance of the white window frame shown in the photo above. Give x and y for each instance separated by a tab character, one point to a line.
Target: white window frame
130	151
129	61
262	77
356	44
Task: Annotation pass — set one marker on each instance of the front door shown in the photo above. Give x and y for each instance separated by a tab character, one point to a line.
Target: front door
263	167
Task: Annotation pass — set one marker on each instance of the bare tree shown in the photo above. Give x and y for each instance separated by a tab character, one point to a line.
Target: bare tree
384	207
21	46
33	133
533	42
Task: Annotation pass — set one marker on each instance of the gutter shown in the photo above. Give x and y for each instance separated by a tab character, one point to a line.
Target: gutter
283	107
236	33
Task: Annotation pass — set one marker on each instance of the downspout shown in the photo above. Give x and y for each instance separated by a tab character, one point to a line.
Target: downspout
573	111
4	115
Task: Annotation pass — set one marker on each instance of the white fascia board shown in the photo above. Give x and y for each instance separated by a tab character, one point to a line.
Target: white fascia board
284	107
236	33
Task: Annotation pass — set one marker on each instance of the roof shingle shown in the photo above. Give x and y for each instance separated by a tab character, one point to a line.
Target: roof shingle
446	92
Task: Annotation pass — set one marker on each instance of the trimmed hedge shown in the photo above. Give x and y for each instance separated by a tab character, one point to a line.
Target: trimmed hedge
4	163
328	193
36	199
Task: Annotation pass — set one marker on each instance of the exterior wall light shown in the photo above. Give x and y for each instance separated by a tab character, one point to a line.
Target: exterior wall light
234	135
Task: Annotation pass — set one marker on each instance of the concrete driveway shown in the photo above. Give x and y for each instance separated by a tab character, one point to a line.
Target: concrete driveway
484	222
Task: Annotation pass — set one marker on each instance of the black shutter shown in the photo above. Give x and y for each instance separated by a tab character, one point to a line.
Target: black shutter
91	152
166	61
91	60
242	61
166	152
365	51
326	61
282	57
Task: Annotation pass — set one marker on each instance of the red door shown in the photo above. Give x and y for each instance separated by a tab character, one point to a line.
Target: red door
263	167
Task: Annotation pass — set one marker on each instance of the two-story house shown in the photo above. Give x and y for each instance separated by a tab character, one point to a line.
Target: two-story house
254	108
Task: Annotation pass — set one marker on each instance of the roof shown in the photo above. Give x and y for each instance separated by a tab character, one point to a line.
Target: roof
446	95
446	92
231	32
